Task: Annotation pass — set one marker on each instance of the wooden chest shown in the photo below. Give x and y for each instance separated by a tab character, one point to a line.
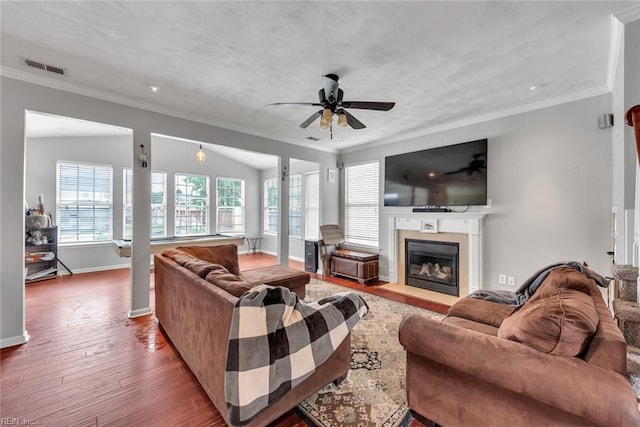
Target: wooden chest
361	266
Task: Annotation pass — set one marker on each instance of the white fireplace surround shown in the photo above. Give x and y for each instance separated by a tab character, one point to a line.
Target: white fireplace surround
465	223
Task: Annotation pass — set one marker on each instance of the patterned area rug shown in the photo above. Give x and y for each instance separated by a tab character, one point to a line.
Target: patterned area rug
374	392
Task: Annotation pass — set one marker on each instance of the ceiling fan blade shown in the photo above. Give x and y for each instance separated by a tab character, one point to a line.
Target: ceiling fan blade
353	122
369	105
281	104
311	119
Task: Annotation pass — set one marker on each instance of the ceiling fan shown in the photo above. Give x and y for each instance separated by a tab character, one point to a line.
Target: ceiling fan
475	166
330	99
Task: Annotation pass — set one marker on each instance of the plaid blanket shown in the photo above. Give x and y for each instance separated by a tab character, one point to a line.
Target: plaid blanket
276	342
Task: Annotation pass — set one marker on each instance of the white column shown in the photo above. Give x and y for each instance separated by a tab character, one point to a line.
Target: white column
141	229
283	211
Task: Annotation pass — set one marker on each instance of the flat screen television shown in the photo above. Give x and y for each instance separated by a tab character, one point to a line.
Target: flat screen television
454	175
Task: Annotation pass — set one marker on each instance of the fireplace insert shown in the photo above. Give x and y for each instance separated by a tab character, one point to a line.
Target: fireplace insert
432	265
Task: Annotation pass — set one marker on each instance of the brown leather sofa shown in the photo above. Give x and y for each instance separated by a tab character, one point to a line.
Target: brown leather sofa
558	360
194	305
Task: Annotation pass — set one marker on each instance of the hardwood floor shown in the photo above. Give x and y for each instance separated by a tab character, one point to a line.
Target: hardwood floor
87	364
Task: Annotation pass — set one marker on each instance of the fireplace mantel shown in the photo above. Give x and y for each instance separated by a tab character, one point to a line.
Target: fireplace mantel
465	223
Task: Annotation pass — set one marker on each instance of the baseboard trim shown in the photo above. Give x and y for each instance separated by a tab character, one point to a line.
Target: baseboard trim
140	312
94	269
17	340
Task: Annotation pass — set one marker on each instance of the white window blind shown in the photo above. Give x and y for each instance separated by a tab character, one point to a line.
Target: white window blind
192	205
84	202
295	205
362	200
158	203
312	206
271	205
230	206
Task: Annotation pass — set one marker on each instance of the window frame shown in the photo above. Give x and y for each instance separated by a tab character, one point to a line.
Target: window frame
295	192
126	204
177	229
309	223
367	208
242	205
62	218
267	210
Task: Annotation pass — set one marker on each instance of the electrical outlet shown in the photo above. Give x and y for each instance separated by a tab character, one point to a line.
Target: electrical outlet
502	279
511	281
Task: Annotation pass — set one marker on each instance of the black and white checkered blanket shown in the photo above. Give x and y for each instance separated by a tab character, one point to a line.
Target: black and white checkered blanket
276	342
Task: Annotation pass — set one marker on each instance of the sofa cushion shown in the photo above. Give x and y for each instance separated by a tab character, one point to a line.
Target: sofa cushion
178	256
561	321
568	278
277	275
202	267
479	310
225	255
224	279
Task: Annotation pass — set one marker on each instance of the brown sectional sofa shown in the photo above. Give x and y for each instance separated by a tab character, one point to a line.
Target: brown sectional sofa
558	360
194	305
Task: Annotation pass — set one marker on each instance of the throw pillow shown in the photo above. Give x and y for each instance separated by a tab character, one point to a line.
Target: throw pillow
560	322
225	255
202	267
228	281
178	256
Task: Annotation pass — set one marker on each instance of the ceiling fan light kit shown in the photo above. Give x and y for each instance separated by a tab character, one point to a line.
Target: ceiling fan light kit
330	99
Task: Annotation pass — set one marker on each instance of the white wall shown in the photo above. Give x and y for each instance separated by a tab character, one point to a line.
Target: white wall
549	179
169	155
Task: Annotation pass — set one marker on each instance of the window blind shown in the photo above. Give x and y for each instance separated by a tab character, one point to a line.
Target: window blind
230	206
362	200
312	206
84	202
271	205
295	205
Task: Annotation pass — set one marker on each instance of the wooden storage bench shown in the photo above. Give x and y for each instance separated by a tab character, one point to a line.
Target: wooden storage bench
361	266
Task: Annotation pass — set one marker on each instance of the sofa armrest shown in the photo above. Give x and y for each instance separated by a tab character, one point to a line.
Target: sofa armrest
568	383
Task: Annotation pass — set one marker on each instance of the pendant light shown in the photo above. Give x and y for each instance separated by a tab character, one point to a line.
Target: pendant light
200	156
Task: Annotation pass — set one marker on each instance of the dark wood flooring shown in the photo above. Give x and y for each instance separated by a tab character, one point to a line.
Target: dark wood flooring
87	364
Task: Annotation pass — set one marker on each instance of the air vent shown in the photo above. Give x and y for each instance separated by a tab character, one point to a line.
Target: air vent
313	138
44	67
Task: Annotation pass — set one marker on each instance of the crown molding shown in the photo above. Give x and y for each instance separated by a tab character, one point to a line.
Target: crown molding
615	46
58	84
628	15
577	96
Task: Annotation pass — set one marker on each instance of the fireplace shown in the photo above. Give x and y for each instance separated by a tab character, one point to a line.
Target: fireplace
432	265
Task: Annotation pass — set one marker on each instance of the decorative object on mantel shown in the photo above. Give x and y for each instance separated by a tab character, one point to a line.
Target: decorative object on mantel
429	225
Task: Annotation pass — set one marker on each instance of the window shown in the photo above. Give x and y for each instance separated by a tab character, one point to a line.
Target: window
312	206
84	202
158	203
230	207
362	188
271	205
192	205
295	205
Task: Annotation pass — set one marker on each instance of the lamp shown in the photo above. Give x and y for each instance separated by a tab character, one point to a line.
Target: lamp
323	126
200	156
342	119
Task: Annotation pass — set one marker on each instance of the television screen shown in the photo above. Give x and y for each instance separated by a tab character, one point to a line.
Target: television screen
455	175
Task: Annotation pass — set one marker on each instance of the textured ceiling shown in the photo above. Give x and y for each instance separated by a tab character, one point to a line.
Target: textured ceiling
223	62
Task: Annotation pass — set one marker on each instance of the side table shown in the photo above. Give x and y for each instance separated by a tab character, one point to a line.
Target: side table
254	244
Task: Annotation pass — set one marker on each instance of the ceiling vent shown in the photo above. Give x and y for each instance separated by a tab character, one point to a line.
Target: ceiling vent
313	138
44	67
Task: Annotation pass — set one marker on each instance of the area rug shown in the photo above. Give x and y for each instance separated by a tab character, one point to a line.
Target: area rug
373	394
